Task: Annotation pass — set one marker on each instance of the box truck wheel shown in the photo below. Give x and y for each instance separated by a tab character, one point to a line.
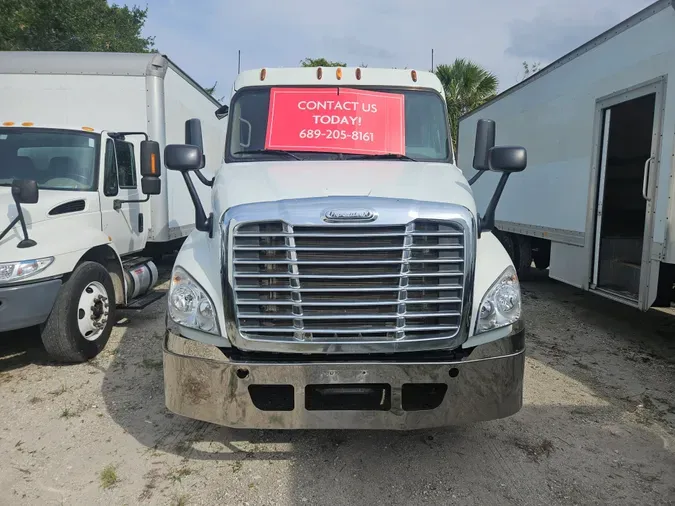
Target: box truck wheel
81	320
524	255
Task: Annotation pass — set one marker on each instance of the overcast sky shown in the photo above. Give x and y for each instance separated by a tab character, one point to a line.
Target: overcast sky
203	36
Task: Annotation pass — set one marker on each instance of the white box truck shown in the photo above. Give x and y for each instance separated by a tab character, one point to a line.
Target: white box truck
597	203
344	277
85	205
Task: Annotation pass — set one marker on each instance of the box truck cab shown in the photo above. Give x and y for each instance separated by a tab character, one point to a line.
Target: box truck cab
85	206
344	278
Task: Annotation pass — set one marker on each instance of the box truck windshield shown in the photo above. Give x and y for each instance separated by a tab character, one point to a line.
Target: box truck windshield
55	159
319	123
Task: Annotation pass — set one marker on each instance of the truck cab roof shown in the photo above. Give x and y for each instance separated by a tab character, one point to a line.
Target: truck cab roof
337	76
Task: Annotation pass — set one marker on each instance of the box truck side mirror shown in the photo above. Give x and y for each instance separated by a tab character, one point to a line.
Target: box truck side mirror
24	191
151	168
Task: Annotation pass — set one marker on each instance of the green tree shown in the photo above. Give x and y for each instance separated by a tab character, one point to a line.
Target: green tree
72	25
321	62
467	85
530	69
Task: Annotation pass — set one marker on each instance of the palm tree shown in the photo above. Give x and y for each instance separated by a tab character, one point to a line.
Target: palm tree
467	85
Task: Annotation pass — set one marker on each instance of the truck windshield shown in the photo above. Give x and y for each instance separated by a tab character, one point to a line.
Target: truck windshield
315	123
55	159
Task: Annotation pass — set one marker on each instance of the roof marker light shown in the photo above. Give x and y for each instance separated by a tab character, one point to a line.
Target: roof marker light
263	74
413	74
338	73
319	73
27	123
87	129
358	74
8	123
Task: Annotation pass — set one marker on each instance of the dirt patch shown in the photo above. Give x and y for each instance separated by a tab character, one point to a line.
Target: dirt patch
597	427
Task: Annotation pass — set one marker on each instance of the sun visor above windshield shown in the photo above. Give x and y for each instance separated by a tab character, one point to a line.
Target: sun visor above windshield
340	120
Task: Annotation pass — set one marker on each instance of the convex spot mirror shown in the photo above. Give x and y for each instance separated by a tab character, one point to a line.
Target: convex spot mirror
25	191
222	111
507	159
151	168
183	157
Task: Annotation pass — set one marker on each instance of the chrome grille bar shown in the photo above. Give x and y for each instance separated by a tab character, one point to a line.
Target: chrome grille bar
341	283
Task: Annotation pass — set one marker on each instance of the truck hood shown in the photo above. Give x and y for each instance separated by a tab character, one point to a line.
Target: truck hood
42	226
243	183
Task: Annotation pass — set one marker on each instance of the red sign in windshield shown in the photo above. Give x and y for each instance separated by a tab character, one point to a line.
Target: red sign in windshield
336	119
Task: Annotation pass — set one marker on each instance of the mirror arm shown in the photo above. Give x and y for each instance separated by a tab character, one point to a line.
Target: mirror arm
487	222
475	178
26	242
117	203
202	223
121	135
203	179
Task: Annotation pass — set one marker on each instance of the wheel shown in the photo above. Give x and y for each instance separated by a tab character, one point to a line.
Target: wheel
81	320
542	258
524	255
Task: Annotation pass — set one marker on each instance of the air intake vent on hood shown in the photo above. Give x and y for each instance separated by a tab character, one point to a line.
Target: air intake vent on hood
69	207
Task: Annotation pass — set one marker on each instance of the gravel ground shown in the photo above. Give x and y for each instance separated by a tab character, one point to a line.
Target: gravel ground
597	427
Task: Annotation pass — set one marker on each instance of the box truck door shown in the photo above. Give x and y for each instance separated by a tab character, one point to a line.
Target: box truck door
123	221
624	264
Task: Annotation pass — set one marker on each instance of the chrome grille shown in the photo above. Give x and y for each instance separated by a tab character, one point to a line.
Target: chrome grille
342	283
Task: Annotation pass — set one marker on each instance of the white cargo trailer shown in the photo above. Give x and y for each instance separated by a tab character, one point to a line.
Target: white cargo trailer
80	142
596	205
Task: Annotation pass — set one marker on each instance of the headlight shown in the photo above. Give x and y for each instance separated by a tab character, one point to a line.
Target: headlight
501	304
13	271
189	305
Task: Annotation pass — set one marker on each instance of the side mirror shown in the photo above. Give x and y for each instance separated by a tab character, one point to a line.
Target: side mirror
222	111
151	168
183	157
193	136
485	141
507	159
25	191
151	164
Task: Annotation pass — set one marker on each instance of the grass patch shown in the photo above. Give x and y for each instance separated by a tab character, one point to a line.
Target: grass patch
68	413
178	474
180	500
108	476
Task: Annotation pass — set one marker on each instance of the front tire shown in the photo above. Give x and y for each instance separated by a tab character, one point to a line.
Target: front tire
82	318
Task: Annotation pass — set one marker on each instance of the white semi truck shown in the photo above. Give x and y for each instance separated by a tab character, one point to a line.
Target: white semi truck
597	203
84	204
344	277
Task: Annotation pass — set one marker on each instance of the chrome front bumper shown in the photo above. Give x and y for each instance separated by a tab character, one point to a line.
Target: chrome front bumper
202	383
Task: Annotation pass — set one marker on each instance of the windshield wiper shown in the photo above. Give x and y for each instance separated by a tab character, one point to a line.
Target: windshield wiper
266	152
384	156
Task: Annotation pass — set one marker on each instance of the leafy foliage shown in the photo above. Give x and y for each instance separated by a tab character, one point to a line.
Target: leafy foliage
530	68
321	62
467	85
72	25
